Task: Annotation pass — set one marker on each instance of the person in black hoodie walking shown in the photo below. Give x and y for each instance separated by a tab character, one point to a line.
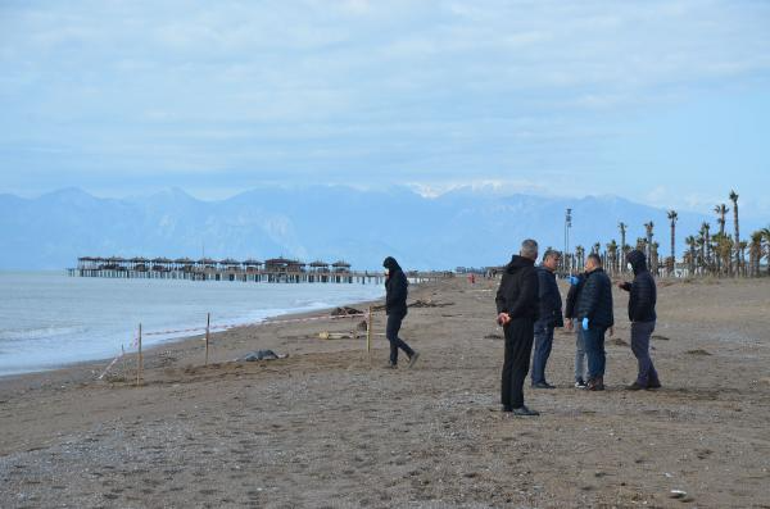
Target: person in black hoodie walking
517	310
595	314
641	311
396	289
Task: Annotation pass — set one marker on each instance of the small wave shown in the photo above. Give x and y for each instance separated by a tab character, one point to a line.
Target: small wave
36	333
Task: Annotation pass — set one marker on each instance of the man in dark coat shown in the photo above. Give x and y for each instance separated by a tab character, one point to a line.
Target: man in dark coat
396	289
641	312
576	285
550	317
594	311
517	311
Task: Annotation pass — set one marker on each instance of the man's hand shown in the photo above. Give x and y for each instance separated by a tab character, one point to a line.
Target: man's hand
570	326
503	319
624	286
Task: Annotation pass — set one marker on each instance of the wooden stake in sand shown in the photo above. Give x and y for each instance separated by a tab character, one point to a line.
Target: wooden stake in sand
208	327
369	331
139	359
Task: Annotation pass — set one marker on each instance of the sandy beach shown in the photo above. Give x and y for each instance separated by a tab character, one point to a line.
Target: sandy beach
330	427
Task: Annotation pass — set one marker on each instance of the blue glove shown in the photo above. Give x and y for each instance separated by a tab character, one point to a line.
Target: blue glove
574	280
585	323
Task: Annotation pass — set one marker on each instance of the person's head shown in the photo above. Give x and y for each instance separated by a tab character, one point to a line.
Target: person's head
551	259
529	249
636	260
593	262
390	264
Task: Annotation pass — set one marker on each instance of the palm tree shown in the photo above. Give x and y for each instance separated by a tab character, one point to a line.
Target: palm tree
721	210
623	248
612	255
673	217
723	248
691	243
648	227
734	199
766	236
596	248
654	257
705	227
755	253
580	254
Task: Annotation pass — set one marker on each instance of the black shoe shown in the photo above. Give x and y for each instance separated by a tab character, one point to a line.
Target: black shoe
413	359
524	412
391	365
580	384
634	387
543	385
507	409
653	385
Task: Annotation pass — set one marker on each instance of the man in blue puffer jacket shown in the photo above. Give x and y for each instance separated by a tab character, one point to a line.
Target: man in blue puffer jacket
641	312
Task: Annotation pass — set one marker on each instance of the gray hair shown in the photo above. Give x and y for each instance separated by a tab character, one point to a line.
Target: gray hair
596	258
551	253
529	249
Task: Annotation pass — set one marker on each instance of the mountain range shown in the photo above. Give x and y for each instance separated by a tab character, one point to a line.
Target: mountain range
464	227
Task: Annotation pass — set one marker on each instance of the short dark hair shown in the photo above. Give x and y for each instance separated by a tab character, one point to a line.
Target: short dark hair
596	258
551	252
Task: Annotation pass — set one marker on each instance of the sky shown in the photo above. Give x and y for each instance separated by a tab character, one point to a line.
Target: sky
665	103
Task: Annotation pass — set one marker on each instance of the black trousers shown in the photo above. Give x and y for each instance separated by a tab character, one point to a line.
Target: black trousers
391	332
519	335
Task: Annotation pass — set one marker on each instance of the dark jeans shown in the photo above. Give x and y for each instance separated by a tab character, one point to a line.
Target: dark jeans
640	345
543	345
593	339
391	332
519	335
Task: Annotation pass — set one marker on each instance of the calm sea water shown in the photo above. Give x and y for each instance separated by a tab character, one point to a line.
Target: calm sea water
49	319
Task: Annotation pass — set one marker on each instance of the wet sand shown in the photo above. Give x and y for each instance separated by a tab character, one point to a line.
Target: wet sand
330	427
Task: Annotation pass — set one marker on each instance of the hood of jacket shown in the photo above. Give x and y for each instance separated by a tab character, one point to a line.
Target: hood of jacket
391	264
517	263
637	260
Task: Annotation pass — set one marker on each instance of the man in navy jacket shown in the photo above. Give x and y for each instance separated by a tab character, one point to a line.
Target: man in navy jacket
594	311
550	317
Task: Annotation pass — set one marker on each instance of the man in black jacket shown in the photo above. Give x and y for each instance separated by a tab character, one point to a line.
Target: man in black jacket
576	285
517	311
396	289
550	317
594	312
641	312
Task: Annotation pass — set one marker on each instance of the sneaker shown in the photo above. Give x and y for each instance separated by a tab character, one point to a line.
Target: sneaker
596	384
634	387
524	412
391	365
507	409
653	385
413	359
543	385
580	384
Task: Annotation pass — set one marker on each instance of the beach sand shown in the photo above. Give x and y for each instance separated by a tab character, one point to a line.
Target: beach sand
330	427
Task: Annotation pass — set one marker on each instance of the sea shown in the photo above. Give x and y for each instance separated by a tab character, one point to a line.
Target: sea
49	319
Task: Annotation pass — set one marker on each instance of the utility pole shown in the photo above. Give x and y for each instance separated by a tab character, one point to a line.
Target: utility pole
567	226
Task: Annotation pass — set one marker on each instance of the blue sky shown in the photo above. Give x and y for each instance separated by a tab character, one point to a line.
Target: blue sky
662	102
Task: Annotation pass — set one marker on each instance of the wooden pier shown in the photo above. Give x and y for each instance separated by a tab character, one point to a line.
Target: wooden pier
276	270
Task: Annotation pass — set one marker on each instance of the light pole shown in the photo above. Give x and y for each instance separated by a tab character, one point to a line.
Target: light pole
567	226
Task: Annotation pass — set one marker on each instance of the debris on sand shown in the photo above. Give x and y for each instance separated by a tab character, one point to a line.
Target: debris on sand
346	311
660	338
698	351
493	336
262	355
338	335
430	303
362	326
618	342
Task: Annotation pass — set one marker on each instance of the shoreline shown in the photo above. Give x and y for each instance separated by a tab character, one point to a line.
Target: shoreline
330	426
85	371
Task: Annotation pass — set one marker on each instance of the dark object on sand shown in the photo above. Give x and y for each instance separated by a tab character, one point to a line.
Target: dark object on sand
494	336
699	351
346	311
262	355
618	342
660	338
362	325
429	304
